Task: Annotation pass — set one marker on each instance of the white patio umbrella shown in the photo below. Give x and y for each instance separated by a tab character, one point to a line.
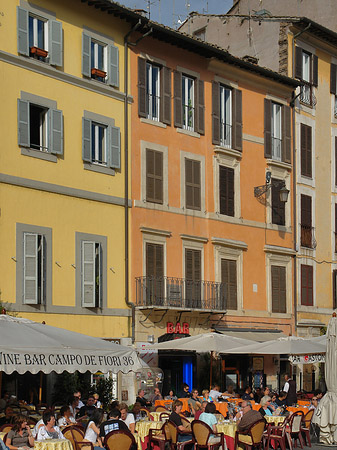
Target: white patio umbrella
27	346
326	413
290	345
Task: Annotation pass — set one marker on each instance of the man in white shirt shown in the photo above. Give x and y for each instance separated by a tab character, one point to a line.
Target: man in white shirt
215	392
79	395
126	417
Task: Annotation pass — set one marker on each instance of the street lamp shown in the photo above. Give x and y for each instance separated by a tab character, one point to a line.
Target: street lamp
260	190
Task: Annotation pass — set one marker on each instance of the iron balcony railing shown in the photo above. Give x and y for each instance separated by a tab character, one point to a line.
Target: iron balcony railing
308	236
307	96
180	293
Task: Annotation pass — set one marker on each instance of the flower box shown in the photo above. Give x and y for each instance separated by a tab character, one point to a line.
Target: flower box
38	52
98	73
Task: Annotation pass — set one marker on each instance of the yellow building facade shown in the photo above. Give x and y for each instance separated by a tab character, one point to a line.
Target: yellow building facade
62	166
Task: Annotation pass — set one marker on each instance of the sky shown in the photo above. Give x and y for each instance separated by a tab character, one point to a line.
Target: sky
173	12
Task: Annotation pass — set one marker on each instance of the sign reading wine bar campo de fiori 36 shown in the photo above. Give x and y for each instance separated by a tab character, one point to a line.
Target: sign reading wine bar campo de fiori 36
307	359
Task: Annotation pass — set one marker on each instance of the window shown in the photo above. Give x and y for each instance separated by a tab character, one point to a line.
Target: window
193	278
229	278
278	288
336	228
226	190
154	176
306	285
155	273
200	34
34	268
277	132
40	126
306	150
306	69
278	207
154	91
100	59
91	274
226	116
192	184
189	103
306	221
333	85
39	36
101	141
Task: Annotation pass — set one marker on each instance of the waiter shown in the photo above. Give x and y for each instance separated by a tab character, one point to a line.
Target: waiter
290	389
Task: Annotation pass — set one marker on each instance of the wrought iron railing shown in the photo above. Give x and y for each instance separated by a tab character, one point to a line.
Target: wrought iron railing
308	236
307	96
180	293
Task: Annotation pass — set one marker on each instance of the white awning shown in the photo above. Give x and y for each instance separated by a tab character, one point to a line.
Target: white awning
257	336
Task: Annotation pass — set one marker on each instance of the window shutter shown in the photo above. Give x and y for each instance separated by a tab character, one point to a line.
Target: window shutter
22	30
177	101
88	274
333	74
306	150
113	75
154	176
306	213
86	55
115	147
197	185
229	278
298	63
315	70
267	128
189	183
200	107
55	43
142	100
158	182
226	190
335	160
278	284
150	255
278	207
165	100
215	113
30	268
286	134
86	140
237	119
23	123
306	285
192	184
56	135
150	195
154	260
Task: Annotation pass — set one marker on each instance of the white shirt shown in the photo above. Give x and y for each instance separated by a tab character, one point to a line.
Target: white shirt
286	387
42	435
129	419
90	434
215	395
36	428
62	422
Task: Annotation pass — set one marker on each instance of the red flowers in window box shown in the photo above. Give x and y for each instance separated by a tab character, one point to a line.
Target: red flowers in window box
38	52
98	73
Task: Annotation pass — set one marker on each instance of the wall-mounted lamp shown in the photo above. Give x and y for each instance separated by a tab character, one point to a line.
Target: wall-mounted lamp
260	190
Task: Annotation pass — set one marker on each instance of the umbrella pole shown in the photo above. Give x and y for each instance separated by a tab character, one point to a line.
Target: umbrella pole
210	371
40	388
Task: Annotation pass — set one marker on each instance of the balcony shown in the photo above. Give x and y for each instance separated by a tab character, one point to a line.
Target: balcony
179	293
307	236
307	96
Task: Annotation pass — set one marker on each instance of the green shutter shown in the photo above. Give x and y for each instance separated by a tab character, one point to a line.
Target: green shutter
22	31
86	55
86	140
23	123
113	74
56	135
55	43
30	268
115	147
88	274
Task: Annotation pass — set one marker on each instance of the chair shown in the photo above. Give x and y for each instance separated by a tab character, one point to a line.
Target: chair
252	437
161	408
164	415
159	437
75	435
201	433
306	425
6	427
175	444
293	429
186	423
119	440
145	413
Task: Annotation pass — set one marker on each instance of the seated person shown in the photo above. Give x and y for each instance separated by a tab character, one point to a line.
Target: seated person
20	435
185	392
65	417
136	411
265	409
215	392
281	399
230	391
142	400
273	403
314	403
249	416
8	417
113	423
92	431
248	395
194	402
127	417
258	395
73	406
88	409
201	410
171	396
36	428
205	396
209	418
49	430
156	395
184	434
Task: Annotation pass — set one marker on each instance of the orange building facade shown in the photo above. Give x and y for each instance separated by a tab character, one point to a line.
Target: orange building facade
211	243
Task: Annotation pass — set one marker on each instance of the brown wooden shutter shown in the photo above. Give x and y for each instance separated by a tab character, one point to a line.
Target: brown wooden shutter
154	260
192	184
298	63
286	134
278	207
177	101
267	128
237	119
215	113
278	287
193	278
165	95
200	106
306	210
306	285
335	233
229	278
154	176
333	74
315	70
142	101
306	150
335	160
226	190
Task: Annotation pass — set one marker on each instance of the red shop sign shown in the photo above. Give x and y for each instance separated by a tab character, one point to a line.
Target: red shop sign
177	328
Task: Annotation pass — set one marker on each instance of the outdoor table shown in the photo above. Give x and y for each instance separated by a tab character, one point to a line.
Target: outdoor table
2	435
53	444
156	415
297	408
143	430
276	419
138	441
228	429
222	407
303	402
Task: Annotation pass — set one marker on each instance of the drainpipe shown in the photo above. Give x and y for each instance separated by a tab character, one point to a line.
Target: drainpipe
126	179
292	104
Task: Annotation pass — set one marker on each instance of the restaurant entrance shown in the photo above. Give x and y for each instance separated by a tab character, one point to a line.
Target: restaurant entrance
178	368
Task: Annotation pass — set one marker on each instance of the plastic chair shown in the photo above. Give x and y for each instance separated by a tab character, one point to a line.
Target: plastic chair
293	429
252	437
201	433
175	444
119	440
159	437
306	425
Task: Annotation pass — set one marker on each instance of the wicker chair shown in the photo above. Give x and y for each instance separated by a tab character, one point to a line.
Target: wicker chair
119	440
306	425
75	435
161	408
164	415
175	444
252	437
186	423
201	433
6	427
159	437
145	413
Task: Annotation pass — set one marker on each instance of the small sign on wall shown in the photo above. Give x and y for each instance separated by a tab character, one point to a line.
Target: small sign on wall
125	396
258	362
